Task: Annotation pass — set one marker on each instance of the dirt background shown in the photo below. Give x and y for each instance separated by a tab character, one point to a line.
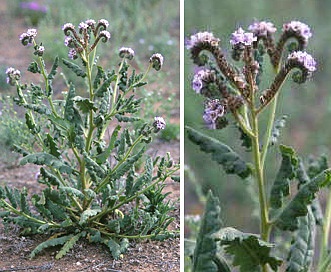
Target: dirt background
14	249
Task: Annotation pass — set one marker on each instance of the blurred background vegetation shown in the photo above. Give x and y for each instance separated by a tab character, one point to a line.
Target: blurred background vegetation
308	106
140	24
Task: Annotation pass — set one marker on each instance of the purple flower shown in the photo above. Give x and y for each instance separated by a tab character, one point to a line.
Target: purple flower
103	22
12	75
159	124
72	54
197	82
27	37
214	109
201	37
262	28
242	37
33	6
304	58
82	25
299	28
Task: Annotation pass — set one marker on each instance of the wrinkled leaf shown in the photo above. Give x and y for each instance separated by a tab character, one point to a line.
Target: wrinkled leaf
288	218
248	250
221	153
205	257
302	249
287	172
74	67
278	125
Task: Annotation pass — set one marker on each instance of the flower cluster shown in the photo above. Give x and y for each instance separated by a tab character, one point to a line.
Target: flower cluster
126	52
80	43
213	113
201	37
305	59
223	78
157	61
27	38
299	29
262	29
158	124
13	75
241	37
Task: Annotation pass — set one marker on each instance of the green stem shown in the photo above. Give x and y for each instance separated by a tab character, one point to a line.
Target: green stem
106	179
129	199
325	233
268	132
264	227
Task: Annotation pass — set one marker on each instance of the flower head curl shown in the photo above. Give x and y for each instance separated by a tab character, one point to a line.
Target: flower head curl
299	29
305	59
13	75
157	61
201	37
27	37
158	124
126	52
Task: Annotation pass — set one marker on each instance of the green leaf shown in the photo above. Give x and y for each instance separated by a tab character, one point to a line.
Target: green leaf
98	77
34	68
146	178
248	250
101	158
68	245
53	149
126	166
303	178
86	214
105	86
72	191
205	254
48	178
302	249
74	67
69	106
114	248
221	153
287	172
317	165
46	159
122	118
288	217
53	71
84	104
50	243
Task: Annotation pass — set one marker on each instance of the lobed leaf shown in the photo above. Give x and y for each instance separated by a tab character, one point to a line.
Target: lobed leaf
287	172
74	67
146	178
105	86
302	249
205	256
86	214
221	153
288	217
53	148
114	248
68	245
101	158
50	243
53	71
84	104
126	166
248	250
46	159
69	105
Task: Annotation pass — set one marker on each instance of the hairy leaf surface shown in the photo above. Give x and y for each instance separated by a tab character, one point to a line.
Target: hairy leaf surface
248	250
302	250
287	172
221	153
46	159
74	67
205	257
68	245
288	218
